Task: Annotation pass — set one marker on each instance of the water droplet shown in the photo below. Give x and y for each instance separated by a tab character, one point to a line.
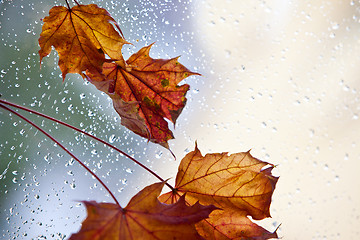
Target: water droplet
71	161
14	180
90	113
99	165
128	170
36	196
134	17
195	91
112	138
158	154
312	132
227	53
335	25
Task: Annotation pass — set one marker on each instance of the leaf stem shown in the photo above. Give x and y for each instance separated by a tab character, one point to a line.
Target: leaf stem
89	135
76	3
65	149
67	3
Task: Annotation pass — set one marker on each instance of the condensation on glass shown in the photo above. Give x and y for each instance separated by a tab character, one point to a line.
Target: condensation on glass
280	78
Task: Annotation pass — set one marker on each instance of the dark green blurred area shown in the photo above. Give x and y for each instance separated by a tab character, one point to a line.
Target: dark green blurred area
40	185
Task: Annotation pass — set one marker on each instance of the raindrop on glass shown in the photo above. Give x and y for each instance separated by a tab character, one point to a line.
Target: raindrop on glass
112	138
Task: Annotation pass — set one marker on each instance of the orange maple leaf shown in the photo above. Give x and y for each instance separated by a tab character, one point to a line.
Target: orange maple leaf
237	184
82	36
143	218
149	86
144	90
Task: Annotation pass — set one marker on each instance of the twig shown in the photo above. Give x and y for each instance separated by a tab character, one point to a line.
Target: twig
89	135
65	149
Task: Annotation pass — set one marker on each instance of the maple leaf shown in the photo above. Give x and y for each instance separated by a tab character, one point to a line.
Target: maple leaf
150	87
82	36
236	183
143	218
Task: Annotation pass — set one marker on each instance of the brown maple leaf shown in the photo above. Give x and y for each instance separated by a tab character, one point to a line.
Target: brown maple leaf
145	92
143	218
82	36
236	183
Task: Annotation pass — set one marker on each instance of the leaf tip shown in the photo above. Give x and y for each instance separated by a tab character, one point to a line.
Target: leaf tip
146	49
164	144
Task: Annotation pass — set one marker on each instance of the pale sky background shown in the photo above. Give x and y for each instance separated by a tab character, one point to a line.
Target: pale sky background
288	87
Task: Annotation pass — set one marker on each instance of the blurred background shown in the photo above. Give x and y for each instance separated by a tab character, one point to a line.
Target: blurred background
278	77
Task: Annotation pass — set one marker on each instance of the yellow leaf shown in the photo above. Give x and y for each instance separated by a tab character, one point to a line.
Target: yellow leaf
237	184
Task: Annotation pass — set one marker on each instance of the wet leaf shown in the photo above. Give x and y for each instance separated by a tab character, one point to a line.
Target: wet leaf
143	218
150	87
144	90
82	36
238	184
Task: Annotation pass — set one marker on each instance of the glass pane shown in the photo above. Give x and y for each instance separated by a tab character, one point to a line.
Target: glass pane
280	78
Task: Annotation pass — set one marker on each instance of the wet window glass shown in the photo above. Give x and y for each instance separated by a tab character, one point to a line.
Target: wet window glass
279	78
